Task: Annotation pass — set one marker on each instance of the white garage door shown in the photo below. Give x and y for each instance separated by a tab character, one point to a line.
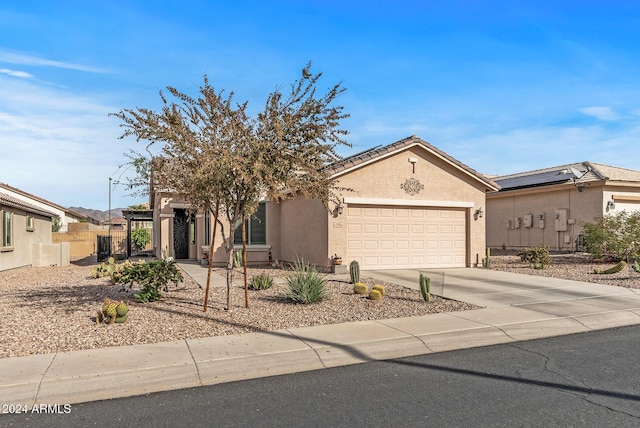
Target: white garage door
406	237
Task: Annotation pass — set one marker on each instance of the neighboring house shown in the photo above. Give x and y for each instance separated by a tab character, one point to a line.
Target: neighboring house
65	215
548	206
25	235
412	206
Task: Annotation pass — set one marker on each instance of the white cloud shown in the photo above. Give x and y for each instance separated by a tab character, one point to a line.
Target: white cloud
25	59
604	113
64	146
14	73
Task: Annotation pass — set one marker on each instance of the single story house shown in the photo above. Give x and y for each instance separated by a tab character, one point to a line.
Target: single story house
548	206
25	235
65	215
411	206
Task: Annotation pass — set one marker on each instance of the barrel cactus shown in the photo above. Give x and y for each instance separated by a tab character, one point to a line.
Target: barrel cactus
375	295
360	288
379	287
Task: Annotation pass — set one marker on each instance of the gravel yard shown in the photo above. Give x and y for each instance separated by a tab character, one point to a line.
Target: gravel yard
577	267
53	309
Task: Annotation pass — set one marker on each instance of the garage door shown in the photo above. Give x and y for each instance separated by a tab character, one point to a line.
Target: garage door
406	237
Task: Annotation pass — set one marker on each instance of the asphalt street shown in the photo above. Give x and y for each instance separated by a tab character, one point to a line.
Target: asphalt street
587	379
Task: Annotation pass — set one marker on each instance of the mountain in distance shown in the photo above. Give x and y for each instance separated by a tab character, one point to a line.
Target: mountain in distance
97	214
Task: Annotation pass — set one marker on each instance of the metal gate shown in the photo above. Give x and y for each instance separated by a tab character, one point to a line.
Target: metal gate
103	247
112	245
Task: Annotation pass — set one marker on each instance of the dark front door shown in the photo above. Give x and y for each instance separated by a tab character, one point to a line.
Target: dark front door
181	234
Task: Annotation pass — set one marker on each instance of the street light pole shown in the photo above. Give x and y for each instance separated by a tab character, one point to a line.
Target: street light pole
110	216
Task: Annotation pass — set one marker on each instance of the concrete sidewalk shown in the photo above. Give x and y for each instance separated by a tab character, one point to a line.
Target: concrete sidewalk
517	307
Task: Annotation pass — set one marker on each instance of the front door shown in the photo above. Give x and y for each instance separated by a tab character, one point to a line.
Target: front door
181	234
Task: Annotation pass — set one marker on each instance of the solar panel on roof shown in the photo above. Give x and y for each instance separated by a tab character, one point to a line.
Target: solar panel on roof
364	152
539	179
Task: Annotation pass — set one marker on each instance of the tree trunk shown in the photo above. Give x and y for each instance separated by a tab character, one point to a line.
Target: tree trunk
229	248
213	240
244	263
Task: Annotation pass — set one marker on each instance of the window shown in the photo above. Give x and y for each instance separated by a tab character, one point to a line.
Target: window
30	223
7	230
207	228
256	228
192	229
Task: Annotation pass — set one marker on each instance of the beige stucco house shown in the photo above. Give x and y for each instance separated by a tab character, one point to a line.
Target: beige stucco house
65	215
548	206
411	206
25	235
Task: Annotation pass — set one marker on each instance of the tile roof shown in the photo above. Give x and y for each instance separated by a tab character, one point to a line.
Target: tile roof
17	203
580	172
358	159
44	201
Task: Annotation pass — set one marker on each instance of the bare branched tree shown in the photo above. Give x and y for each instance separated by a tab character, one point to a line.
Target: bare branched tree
221	159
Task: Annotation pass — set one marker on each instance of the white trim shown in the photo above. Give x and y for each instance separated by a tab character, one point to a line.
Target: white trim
167	215
408	202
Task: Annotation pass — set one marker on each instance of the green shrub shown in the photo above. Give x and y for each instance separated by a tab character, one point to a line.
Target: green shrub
538	257
261	282
306	284
153	278
616	235
140	237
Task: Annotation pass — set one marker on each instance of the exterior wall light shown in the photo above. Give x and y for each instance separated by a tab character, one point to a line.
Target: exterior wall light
479	213
611	205
339	209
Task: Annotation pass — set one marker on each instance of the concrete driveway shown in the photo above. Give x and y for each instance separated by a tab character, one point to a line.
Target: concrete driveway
495	289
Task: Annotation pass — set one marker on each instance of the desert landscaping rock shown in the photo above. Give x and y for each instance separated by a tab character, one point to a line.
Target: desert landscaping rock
53	309
573	266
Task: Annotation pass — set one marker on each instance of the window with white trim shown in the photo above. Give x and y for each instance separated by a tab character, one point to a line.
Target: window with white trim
7	230
207	228
256	228
30	223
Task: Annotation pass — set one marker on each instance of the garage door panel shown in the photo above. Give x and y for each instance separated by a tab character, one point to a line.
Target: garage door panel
386	228
371	245
370	228
406	237
387	244
402	228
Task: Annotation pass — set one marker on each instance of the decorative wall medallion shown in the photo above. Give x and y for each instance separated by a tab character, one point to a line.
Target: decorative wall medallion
412	186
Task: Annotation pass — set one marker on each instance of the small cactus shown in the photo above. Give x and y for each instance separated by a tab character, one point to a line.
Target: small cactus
112	312
379	287
354	271
360	288
375	295
615	269
425	288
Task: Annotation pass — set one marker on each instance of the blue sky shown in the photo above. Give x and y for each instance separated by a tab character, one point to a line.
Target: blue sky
502	86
